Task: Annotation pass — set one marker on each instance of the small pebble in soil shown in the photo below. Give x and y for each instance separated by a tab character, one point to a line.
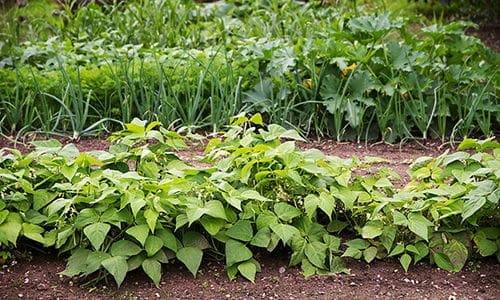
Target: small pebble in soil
282	270
20	295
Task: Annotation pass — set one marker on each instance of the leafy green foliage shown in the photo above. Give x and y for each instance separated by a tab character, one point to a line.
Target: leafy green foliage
351	73
256	191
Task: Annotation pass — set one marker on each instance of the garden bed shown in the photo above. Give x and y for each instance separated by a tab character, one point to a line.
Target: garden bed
34	274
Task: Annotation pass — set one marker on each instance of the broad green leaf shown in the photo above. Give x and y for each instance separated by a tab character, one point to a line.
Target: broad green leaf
248	270
274	132
332	242
168	238
419	225
298	245
457	156
96	233
124	248
292	134
257	119
93	262
215	209
212	208
326	204
316	253
369	254
253	195
262	238
405	261
311	203
195	239
153	245
246	171
41	198
423	251
69	171
3	215
85	217
47	146
352	252
471	206
242	231
236	252
359	244
163	256
347	196
442	261
284	231
421	173
285	211
139	232
33	232
398	249
231	272
337	265
116	266
191	257
151	218
344	178
180	221
372	229
136	261
412	249
387	237
383	183
135	198
63	236
212	225
308	269
486	247
457	254
399	219
76	262
265	219
152	268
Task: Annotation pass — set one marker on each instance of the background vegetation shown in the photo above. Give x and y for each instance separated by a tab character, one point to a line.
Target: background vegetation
352	70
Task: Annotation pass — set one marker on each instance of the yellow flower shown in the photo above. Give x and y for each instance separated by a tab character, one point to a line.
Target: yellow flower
348	69
307	83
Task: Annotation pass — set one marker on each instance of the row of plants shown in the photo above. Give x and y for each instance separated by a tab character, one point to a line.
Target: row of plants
139	205
327	70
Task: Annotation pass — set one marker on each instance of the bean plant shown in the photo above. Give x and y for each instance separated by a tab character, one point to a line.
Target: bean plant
139	205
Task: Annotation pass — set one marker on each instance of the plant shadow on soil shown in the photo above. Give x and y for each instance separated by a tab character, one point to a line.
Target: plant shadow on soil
34	275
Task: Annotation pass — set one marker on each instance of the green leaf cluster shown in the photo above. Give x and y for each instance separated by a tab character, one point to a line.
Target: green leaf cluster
139	205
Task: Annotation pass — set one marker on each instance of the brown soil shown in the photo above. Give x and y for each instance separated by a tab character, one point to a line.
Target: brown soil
34	275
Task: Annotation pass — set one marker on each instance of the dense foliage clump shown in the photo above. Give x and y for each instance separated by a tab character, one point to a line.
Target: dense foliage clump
139	205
